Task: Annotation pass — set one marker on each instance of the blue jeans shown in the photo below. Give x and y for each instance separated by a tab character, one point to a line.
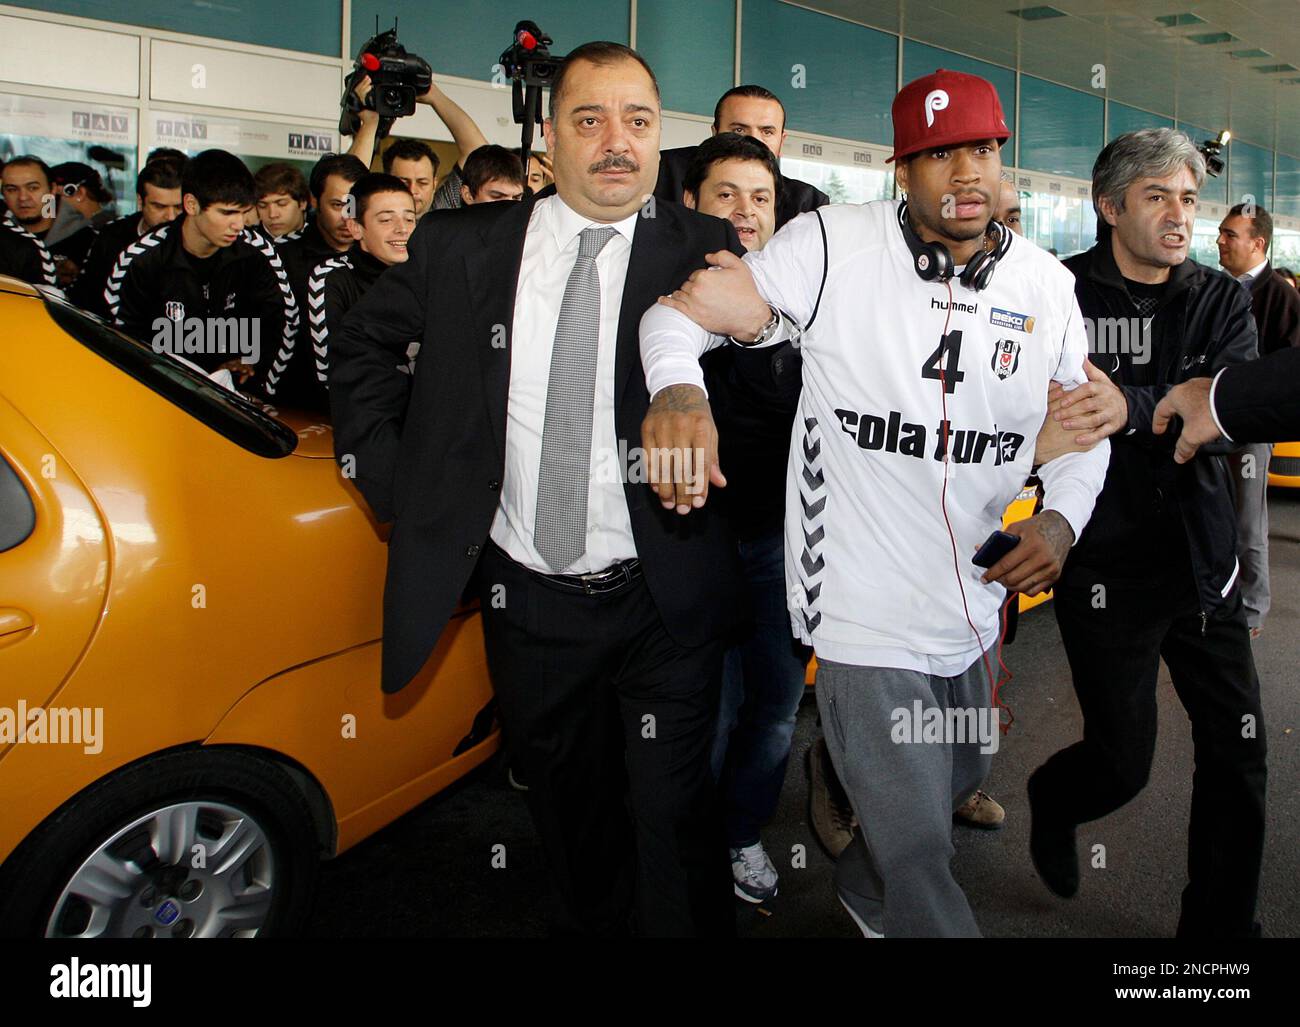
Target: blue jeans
762	683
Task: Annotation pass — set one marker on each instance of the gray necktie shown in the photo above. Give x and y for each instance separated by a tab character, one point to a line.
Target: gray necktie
560	530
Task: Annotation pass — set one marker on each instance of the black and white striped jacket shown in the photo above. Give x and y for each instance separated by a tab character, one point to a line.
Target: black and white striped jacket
333	287
23	255
154	277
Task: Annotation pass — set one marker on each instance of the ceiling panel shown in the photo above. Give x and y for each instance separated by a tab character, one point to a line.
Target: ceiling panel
1147	65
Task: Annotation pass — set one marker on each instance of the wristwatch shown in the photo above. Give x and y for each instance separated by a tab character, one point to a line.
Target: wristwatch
767	332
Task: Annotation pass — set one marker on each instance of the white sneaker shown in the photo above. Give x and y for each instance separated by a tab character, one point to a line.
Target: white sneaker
754	873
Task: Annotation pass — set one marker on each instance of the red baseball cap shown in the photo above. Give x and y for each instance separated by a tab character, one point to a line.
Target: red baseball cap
945	109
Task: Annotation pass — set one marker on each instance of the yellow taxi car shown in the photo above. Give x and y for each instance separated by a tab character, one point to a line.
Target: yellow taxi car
1284	467
190	710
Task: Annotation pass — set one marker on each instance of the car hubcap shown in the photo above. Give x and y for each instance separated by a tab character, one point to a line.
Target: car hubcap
189	870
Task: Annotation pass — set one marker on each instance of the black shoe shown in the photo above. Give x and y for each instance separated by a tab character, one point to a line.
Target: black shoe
1052	848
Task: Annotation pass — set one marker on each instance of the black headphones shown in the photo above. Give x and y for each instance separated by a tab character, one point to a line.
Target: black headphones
933	262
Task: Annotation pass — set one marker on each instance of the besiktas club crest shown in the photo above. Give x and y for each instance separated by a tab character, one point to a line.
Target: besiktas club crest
1006	358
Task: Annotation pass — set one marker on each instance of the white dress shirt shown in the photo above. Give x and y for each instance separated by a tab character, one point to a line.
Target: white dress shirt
550	251
1250	275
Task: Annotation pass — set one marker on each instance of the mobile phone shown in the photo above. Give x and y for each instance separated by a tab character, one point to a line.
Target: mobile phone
995	547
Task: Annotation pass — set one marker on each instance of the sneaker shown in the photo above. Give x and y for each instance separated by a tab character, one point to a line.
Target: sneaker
980	810
828	807
863	926
754	873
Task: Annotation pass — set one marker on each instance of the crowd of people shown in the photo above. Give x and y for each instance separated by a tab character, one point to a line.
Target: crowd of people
877	380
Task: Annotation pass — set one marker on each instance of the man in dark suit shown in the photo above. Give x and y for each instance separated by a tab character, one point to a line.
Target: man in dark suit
603	613
1244	237
1258	401
751	111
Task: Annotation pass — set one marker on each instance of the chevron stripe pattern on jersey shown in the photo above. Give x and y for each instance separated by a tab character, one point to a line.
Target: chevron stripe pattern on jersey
47	259
812	515
289	334
113	289
316	313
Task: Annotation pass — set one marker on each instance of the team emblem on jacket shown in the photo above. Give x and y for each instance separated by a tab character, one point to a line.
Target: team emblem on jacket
175	310
1006	358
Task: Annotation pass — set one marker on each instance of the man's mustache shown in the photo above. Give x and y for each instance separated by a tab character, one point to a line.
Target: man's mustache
614	163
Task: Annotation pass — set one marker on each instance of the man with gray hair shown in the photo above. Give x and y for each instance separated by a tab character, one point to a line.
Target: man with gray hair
1155	573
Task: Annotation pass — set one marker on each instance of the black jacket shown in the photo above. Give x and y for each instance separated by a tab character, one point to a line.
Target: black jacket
1152	513
1260	401
793	197
1277	311
754	394
88	290
333	288
24	256
155	277
302	252
428	449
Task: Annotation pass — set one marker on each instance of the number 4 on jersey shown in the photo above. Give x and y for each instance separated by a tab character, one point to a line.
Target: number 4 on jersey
949	346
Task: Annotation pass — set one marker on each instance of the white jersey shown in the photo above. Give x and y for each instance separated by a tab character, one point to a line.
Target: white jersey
870	565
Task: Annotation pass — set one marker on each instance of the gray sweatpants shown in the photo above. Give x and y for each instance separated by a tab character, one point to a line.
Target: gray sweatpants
1249	467
904	784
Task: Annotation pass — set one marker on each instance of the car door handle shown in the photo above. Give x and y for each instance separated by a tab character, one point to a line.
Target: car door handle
14	624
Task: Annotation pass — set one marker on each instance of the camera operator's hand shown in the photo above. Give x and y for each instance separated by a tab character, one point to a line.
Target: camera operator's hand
363	142
461	126
362	89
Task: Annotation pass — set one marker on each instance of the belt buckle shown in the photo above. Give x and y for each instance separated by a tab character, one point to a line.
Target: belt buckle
601	577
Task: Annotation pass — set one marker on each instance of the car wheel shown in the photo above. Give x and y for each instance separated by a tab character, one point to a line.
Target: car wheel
189	844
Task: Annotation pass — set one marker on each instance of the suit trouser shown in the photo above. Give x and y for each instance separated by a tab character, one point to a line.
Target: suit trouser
896	874
599	706
1114	649
1249	469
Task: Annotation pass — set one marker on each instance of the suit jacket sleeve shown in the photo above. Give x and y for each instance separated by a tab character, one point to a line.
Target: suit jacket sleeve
1260	401
1235	342
368	394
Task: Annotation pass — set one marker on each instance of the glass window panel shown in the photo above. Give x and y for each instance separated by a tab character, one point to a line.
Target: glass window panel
1250	174
841	183
65	130
1124	118
1287	194
1066	224
835	77
694	68
311	26
1061	129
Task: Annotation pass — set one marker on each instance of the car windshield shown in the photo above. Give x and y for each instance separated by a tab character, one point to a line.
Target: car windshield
224	411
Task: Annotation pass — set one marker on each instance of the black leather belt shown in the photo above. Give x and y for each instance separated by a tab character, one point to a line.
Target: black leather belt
613	578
